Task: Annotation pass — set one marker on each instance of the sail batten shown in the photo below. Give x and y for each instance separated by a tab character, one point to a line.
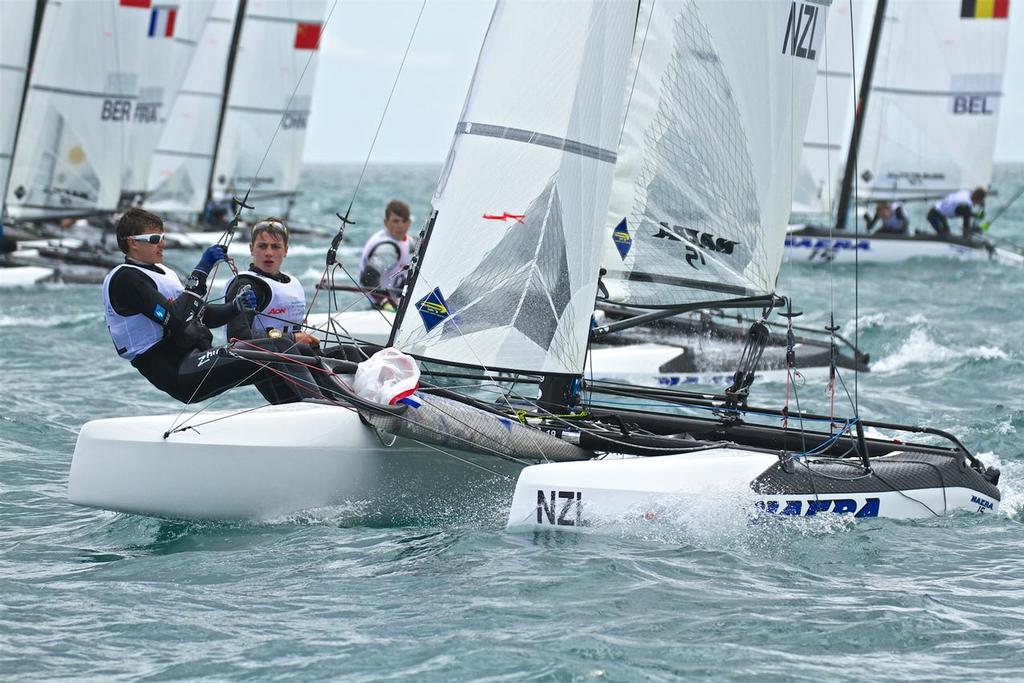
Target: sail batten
536	138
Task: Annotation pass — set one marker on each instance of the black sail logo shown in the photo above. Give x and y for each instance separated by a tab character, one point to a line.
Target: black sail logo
800	28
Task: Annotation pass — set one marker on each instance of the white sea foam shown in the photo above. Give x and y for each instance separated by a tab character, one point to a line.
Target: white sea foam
920	348
63	320
1011	483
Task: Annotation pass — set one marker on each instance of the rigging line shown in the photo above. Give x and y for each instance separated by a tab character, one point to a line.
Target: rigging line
387	104
639	60
856	254
287	108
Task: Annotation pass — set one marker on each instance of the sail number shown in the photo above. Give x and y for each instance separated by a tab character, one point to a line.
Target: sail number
563	508
799	40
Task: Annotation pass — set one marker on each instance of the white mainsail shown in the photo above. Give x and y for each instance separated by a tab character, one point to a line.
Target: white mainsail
183	160
509	277
710	150
267	101
932	113
16	25
173	34
840	68
77	117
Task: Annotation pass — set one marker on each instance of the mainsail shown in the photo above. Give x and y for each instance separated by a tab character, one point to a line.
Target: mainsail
78	114
828	128
268	101
710	150
509	278
183	161
173	34
16	23
930	124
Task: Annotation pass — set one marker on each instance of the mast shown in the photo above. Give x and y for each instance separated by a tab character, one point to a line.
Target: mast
232	51
858	122
37	25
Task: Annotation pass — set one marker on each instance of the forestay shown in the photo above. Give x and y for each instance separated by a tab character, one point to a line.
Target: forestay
16	21
267	97
510	273
81	101
710	149
183	161
931	119
840	67
172	37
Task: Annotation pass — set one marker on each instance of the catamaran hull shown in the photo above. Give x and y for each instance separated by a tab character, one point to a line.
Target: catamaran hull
24	276
721	483
269	463
862	249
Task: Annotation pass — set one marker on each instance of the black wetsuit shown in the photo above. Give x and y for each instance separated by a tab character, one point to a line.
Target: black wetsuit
184	363
941	225
240	327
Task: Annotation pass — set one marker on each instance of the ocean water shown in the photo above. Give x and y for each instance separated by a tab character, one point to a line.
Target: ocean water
88	594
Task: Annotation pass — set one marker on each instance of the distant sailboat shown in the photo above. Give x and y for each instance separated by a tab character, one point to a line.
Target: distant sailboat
174	33
925	127
77	117
182	165
19	27
268	101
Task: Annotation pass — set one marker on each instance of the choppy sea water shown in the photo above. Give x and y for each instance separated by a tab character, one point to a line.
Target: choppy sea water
86	594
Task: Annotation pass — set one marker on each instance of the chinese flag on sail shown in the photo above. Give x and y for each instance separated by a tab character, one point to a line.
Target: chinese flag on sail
307	36
144	4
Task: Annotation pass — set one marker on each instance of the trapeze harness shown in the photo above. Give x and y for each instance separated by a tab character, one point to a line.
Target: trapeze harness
133	335
394	277
286	309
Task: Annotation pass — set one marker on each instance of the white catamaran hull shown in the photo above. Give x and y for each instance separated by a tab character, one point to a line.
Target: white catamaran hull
24	276
249	467
864	249
702	487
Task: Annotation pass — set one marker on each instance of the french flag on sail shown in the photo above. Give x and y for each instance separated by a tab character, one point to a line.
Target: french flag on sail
161	22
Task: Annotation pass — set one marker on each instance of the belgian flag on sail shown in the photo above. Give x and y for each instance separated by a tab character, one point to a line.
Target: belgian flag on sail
984	9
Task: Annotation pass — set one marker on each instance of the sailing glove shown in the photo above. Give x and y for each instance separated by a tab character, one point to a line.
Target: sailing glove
212	255
245	301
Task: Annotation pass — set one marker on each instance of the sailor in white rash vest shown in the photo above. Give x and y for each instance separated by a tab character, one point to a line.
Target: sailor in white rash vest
280	299
162	327
386	257
970	206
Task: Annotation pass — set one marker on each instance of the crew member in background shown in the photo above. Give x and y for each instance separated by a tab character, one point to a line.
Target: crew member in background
970	206
280	300
162	327
889	218
383	267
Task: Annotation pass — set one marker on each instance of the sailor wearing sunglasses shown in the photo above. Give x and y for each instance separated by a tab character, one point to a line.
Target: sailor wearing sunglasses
162	326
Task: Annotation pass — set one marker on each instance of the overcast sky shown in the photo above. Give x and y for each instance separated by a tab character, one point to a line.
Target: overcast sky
362	47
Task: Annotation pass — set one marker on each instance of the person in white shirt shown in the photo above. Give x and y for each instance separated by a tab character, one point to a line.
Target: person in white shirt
384	265
968	205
